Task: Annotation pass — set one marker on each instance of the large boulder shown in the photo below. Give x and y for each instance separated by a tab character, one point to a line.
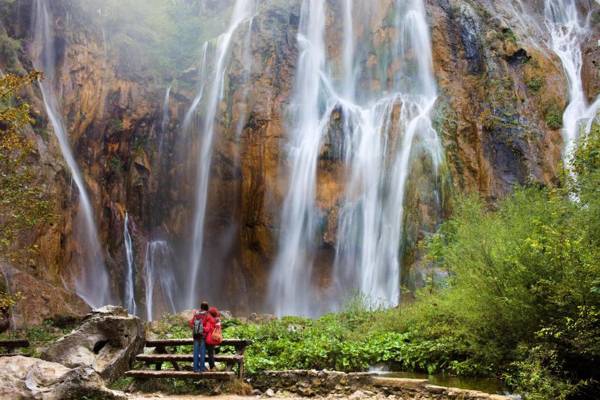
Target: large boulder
31	378
107	341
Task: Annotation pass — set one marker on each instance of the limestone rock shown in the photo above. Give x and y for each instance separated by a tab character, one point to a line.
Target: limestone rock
261	318
32	378
44	300
496	85
107	341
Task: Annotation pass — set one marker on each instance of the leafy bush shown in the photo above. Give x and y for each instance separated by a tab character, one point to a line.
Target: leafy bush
535	83
24	205
553	117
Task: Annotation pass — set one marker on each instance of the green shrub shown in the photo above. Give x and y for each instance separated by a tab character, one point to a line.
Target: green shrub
553	117
535	83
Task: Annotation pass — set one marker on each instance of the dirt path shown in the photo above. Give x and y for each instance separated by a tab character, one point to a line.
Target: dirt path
185	397
189	397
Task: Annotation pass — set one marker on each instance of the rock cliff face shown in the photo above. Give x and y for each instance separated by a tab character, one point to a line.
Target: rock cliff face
499	92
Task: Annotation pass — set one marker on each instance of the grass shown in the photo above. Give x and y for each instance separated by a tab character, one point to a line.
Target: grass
39	336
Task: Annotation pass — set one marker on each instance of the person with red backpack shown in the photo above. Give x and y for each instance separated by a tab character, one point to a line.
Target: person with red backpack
214	336
201	323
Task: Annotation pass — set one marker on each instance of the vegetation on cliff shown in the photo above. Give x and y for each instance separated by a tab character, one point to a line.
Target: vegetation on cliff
23	204
164	36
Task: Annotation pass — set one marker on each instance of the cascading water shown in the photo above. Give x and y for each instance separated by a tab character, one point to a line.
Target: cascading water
380	165
164	122
129	292
290	288
243	10
377	149
92	282
189	115
567	30
247	65
159	279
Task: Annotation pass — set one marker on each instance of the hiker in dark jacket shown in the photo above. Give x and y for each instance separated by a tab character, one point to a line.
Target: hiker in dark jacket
199	323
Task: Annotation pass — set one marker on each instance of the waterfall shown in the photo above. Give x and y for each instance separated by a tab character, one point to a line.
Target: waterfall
243	10
290	289
568	29
129	300
159	281
92	282
247	71
187	120
377	148
164	122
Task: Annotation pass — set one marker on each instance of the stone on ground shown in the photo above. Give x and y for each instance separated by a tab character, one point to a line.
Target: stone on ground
107	341
27	378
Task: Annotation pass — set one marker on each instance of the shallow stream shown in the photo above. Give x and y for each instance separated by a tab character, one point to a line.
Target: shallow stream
487	385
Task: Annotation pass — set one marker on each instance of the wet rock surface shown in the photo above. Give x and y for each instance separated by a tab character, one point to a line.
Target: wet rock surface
44	300
107	342
498	86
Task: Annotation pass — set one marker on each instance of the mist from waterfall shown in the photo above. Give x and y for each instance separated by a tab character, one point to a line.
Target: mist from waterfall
164	121
129	290
191	112
92	280
290	287
159	279
568	29
243	12
381	127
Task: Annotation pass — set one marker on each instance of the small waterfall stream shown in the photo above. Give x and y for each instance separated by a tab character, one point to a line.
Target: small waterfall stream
164	121
242	12
129	292
290	288
92	281
159	279
189	115
567	31
380	129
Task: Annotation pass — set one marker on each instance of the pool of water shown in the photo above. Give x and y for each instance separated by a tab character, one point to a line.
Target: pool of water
487	385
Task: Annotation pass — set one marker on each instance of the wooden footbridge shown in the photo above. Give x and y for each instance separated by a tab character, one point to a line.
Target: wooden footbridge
230	353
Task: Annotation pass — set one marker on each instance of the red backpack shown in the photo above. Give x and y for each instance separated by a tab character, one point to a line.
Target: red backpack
216	336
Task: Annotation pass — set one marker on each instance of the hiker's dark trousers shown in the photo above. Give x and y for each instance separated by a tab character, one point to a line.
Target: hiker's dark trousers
210	351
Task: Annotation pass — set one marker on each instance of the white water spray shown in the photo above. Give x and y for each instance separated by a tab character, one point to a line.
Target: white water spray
164	122
378	147
290	287
189	115
92	282
159	279
242	12
568	29
129	296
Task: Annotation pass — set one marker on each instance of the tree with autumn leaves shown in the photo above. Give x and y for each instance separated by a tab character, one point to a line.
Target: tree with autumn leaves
20	198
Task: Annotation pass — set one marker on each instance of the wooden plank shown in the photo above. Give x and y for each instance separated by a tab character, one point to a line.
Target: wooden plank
14	343
163	350
190	341
144	373
229	358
